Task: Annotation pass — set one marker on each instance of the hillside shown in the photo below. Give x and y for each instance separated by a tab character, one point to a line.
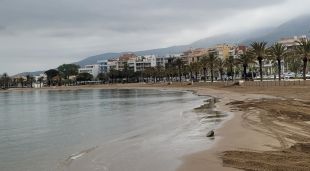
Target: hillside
202	43
297	26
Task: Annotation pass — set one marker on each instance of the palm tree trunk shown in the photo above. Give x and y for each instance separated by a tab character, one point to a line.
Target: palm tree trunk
4	83
191	75
212	74
205	74
305	60
221	74
279	69
261	69
180	77
232	72
244	72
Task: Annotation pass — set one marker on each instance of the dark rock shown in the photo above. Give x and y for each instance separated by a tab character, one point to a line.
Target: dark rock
210	134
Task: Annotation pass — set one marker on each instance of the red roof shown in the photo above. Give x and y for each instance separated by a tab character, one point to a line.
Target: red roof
127	56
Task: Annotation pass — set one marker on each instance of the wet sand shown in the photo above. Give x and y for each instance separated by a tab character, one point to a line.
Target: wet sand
266	132
232	135
269	129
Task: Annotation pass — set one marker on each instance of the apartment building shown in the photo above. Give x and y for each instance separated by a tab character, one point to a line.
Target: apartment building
140	63
223	51
123	60
194	55
91	69
291	42
103	66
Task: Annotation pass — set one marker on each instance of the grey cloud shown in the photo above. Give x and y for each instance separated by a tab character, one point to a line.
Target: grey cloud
36	14
69	28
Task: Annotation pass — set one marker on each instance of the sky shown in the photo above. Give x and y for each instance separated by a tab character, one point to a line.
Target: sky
42	34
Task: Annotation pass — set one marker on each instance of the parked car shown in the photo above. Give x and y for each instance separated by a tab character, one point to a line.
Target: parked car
289	75
249	76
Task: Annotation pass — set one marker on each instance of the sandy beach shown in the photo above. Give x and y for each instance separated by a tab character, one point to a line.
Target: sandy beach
268	130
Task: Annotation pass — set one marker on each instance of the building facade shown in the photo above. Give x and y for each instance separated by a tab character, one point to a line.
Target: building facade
291	42
103	66
194	55
91	69
140	63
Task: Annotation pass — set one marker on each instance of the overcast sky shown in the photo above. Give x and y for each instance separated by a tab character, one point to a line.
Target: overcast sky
41	34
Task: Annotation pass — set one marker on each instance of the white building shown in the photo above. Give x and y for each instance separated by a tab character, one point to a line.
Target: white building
103	66
161	61
291	42
112	64
40	76
140	63
91	69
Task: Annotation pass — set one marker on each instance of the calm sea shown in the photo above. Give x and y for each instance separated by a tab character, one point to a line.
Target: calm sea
99	129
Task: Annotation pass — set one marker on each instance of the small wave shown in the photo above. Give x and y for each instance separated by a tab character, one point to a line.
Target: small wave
76	156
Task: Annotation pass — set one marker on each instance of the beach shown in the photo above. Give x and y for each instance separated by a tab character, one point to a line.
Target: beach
267	130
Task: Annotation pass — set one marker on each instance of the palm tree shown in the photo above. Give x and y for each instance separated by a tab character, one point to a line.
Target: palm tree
195	68
212	58
5	78
148	73
259	49
204	63
304	50
179	64
113	75
29	80
21	81
159	72
294	62
190	69
277	52
245	59
230	63
125	72
220	63
40	79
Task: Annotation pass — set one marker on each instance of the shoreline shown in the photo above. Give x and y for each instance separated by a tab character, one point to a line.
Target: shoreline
227	135
234	134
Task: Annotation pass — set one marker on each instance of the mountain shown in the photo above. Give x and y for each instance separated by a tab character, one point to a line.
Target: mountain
94	59
202	43
229	38
105	56
35	73
295	27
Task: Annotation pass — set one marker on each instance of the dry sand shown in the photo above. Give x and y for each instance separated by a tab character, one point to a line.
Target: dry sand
269	129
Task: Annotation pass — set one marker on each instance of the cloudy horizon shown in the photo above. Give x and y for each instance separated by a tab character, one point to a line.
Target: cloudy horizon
42	34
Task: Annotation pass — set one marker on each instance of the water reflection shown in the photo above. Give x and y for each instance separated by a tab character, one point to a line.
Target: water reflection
39	129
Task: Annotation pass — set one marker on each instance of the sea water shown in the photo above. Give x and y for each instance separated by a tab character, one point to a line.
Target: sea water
99	129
